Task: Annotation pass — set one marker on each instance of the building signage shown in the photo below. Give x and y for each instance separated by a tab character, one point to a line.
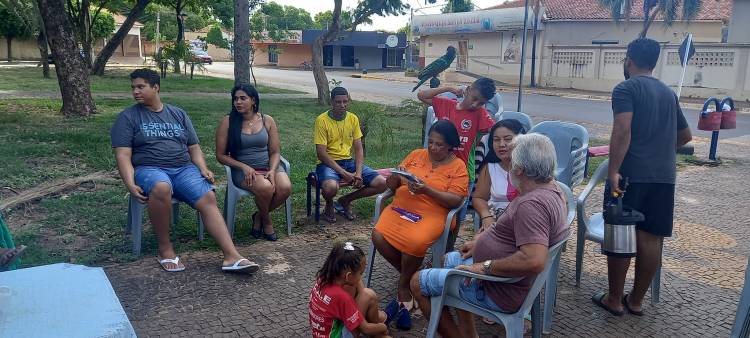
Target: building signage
468	22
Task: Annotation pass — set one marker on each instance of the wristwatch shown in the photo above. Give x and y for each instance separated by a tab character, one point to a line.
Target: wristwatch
486	266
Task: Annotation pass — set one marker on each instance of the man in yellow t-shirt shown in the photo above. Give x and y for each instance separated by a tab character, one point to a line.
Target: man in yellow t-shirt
336	133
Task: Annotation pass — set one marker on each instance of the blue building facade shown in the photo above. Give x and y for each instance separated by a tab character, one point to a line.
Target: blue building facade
361	50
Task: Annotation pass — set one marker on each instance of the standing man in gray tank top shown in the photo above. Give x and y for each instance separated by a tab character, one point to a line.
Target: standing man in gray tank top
648	128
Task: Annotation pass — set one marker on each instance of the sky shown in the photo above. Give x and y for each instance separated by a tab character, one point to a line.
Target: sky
390	23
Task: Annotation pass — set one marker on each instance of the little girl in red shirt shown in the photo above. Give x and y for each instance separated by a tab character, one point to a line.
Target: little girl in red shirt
340	305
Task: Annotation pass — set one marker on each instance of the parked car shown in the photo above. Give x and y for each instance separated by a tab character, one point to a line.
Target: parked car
202	56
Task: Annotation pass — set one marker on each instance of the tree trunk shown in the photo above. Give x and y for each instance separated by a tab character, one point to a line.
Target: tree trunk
180	33
72	74
647	23
252	60
86	32
10	51
41	42
241	42
321	80
116	40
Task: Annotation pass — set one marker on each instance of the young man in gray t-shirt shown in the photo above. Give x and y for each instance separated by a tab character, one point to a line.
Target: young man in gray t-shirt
159	157
648	127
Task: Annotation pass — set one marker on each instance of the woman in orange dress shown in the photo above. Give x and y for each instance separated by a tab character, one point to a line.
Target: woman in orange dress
443	185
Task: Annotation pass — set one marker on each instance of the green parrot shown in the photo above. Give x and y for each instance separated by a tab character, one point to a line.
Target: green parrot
436	67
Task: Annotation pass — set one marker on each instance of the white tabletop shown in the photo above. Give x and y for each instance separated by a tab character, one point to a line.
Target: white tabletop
60	300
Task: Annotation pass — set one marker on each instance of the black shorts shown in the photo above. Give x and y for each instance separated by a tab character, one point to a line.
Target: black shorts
655	201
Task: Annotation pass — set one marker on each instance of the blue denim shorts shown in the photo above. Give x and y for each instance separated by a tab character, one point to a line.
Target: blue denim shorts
432	281
187	183
325	172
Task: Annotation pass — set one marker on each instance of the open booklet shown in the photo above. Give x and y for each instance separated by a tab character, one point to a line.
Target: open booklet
407	175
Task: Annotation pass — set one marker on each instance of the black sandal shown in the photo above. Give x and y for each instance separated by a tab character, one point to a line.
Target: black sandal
597	299
257	234
627	306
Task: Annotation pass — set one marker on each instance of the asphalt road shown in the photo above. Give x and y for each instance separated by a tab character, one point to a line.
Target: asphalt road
392	92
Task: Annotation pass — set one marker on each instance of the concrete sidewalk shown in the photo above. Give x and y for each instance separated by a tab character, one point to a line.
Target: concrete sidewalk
704	265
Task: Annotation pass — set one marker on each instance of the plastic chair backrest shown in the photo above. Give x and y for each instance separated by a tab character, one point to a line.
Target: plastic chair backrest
571	143
570	202
524	119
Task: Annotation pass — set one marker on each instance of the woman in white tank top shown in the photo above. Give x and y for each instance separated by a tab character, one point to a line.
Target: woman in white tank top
494	190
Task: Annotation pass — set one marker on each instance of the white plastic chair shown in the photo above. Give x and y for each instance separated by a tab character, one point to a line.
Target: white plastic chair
524	119
135	221
571	146
438	248
234	194
513	322
591	228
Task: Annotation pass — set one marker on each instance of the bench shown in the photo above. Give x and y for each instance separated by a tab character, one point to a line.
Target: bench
595	152
312	181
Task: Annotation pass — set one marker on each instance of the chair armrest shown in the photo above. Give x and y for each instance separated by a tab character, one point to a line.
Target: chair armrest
285	165
452	213
388	193
455	273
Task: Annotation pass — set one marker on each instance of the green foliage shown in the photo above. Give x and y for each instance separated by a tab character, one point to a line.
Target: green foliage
103	26
323	19
666	9
457	6
277	21
376	124
223	10
333	83
216	38
15	25
404	29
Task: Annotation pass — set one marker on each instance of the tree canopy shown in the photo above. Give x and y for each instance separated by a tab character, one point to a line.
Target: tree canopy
14	25
668	9
457	6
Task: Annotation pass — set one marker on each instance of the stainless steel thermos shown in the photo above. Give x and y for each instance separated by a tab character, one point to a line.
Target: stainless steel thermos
619	226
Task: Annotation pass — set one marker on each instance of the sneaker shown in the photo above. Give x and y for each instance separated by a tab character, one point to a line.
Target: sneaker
403	319
391	310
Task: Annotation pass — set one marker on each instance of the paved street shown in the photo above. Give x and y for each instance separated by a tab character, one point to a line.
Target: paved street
392	92
704	265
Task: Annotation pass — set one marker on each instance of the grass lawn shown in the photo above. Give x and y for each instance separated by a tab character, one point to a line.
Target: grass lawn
116	80
86	225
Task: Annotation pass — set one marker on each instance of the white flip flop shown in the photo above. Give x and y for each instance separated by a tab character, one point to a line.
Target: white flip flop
236	267
175	261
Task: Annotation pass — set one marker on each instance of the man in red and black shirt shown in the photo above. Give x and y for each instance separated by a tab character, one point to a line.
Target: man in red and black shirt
469	116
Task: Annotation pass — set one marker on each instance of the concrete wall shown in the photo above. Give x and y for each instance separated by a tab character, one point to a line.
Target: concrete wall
486	54
715	70
582	33
739	25
292	55
21	49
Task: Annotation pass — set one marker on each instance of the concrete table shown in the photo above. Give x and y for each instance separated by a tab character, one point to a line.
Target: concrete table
60	300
